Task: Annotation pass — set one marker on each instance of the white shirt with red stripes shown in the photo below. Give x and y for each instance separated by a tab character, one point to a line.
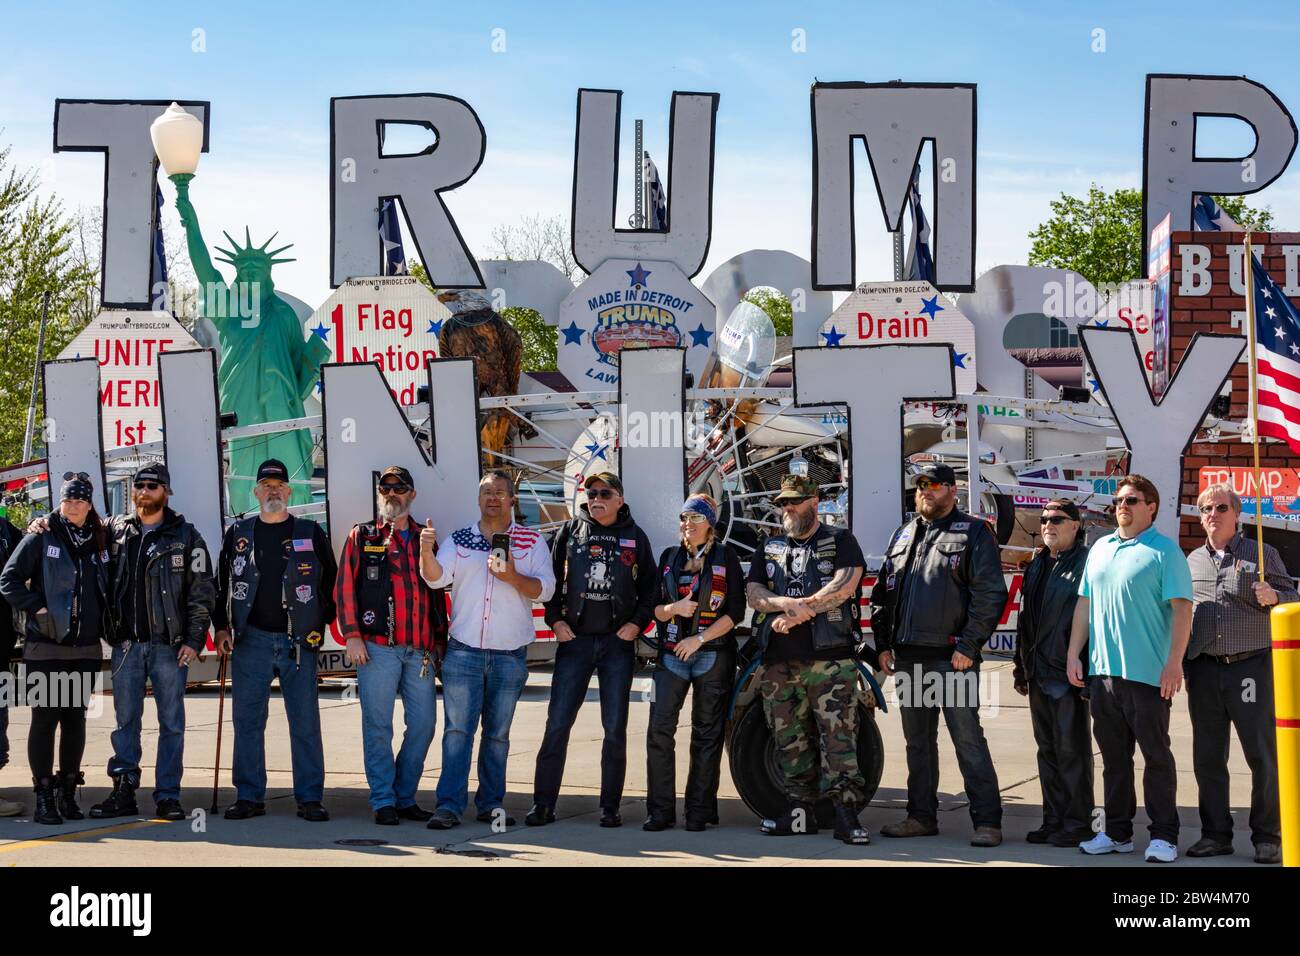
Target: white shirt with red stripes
486	612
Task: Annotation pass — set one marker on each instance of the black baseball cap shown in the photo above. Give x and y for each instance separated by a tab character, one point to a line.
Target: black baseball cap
397	471
943	474
154	472
272	468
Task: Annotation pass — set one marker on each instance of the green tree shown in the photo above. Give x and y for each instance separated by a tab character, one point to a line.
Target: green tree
36	256
776	305
538	337
1100	236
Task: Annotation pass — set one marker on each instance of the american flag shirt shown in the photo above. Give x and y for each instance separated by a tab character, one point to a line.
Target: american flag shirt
487	613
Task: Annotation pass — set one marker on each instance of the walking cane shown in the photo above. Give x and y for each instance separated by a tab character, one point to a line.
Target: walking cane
221	710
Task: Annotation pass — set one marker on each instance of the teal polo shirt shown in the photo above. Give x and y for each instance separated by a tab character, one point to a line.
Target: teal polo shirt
1129	584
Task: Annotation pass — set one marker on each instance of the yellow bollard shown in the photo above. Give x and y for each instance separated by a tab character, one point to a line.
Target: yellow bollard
1285	625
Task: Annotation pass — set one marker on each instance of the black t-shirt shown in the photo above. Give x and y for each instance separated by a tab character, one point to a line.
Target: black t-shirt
138	552
797	645
271	544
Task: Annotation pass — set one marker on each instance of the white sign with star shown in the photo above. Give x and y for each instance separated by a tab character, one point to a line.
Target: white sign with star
627	303
896	313
392	321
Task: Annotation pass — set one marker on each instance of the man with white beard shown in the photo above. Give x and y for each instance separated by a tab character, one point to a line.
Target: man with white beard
275	598
395	626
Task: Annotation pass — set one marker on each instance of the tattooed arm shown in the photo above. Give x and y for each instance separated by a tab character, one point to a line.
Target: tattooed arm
761	599
842	586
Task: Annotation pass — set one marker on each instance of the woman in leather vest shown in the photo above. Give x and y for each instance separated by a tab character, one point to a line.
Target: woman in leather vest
57	580
701	599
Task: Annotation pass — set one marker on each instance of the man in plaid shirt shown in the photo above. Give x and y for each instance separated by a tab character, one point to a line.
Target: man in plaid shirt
395	627
1230	674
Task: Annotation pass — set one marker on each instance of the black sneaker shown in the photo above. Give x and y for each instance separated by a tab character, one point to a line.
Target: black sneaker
443	820
1205	846
1070	838
120	802
654	824
490	816
313	812
799	820
539	816
387	817
169	810
1043	834
243	809
414	812
847	828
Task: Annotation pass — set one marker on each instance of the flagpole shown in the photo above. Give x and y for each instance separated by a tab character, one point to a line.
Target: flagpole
1248	267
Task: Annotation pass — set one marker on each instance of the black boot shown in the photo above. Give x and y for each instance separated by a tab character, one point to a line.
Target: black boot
47	806
120	803
799	820
68	782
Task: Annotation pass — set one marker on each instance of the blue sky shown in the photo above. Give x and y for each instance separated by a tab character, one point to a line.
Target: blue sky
1053	114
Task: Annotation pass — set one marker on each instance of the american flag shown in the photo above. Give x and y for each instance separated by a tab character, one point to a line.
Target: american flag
392	255
920	263
657	213
1277	338
1208	216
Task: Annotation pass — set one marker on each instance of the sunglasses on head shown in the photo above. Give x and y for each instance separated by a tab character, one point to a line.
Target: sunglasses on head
604	494
925	484
1221	507
394	488
691	517
1129	500
147	485
69	475
1053	519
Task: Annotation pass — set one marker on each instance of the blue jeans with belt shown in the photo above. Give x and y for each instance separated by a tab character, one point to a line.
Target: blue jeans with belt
133	663
258	658
389	672
478	685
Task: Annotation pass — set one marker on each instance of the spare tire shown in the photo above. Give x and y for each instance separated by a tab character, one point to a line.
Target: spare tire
758	779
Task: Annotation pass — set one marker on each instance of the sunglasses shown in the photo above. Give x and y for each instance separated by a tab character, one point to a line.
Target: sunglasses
147	486
604	494
394	488
691	517
1129	500
925	484
792	502
1209	509
69	475
1053	519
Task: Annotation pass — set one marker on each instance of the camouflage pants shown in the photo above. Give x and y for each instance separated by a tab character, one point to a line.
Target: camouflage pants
811	707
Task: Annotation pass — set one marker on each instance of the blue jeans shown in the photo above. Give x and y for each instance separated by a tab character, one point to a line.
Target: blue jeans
260	656
699	664
955	694
612	661
478	684
389	672
133	662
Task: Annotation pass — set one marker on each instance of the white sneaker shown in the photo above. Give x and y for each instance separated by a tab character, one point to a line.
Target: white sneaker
10	809
1161	851
1101	843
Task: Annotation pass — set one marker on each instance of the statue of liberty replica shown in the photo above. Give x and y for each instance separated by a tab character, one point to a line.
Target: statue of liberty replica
267	367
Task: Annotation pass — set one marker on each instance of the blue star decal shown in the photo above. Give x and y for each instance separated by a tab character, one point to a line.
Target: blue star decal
930	306
959	358
832	337
1095	385
322	332
435	328
597	450
1103	323
700	336
638	275
573	334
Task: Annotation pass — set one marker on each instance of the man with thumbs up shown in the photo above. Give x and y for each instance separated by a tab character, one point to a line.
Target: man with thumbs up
496	570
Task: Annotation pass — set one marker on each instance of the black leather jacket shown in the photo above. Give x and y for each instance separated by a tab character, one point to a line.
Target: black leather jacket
180	591
954	594
1047	623
42	572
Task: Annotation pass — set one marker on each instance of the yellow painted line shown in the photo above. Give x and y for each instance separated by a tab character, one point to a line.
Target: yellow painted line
67	837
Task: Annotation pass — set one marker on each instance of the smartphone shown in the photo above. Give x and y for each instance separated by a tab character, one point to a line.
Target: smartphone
500	551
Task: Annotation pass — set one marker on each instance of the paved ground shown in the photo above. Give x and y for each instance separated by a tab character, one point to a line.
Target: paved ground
281	838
